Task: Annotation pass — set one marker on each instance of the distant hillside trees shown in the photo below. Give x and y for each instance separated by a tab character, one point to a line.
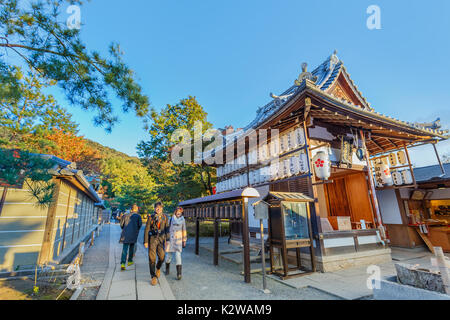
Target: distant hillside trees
175	182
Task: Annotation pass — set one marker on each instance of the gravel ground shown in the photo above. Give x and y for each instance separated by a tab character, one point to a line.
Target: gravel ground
203	280
95	264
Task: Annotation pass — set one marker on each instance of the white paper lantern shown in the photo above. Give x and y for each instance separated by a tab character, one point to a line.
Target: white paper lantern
303	163
292	161
295	165
322	165
393	159
401	157
273	171
284	144
397	178
385	174
274	146
287	167
407	177
266	173
292	140
280	174
300	135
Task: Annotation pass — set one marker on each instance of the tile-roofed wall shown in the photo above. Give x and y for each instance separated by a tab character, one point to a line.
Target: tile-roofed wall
431	172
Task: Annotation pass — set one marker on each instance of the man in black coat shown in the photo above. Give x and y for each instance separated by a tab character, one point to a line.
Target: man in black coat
130	223
155	236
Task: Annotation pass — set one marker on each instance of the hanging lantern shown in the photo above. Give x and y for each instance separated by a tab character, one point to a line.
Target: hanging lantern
407	177
287	167
397	178
292	140
401	157
322	165
273	171
303	163
392	159
280	169
284	143
300	136
274	146
385	175
293	167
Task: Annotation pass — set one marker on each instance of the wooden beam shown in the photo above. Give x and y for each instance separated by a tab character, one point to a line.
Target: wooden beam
216	242
3	199
372	184
197	235
65	220
375	143
311	239
410	165
437	156
392	142
47	242
245	240
312	179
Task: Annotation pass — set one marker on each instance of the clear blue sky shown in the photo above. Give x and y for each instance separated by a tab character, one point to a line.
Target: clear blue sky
232	54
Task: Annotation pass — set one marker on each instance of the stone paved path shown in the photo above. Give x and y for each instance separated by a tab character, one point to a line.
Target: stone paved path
351	284
134	282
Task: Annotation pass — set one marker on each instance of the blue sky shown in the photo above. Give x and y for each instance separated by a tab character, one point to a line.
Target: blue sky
232	54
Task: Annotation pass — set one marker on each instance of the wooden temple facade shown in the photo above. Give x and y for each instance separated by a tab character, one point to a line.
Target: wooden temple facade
325	108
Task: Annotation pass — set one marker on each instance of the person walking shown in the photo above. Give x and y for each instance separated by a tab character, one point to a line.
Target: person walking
178	238
130	223
155	237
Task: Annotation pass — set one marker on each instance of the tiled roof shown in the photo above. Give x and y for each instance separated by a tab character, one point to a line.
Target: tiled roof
433	173
327	73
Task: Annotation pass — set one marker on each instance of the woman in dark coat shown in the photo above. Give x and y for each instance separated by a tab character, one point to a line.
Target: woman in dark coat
130	223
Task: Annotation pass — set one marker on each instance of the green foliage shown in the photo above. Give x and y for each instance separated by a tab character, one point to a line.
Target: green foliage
21	167
30	30
175	182
26	119
128	182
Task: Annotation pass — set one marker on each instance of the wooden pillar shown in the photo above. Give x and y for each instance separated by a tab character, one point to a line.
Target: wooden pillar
197	235
65	220
311	239
438	158
3	199
315	223
47	242
410	165
372	184
246	240
216	241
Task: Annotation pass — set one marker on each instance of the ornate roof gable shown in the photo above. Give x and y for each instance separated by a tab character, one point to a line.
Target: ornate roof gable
330	76
334	79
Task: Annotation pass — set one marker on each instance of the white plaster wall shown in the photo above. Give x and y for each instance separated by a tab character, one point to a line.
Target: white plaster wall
390	212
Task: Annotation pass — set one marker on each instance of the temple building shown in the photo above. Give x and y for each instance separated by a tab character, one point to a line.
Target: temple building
322	155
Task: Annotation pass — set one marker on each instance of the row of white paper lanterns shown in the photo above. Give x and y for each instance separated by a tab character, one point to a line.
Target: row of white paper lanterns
281	169
385	177
284	143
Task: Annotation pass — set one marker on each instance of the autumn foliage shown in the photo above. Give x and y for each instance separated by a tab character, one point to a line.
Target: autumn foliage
68	146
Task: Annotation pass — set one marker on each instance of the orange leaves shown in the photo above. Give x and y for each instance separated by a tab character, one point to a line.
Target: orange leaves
73	148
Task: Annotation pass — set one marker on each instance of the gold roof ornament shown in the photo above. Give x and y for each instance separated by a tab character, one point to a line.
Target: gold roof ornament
305	75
